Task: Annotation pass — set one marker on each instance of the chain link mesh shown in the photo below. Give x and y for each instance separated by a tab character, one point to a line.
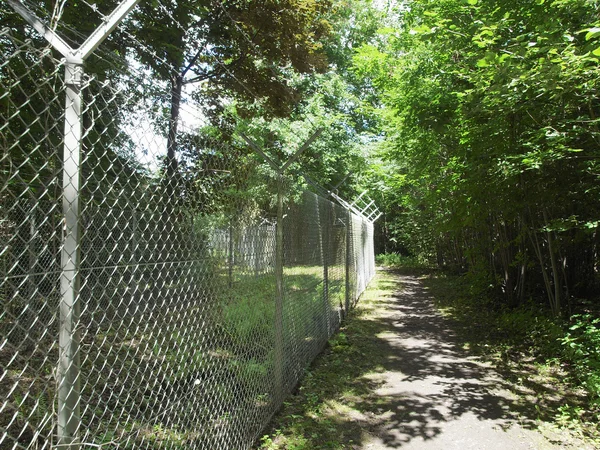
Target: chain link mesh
179	342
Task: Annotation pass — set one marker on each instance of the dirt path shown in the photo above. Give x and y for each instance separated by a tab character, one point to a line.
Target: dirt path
436	395
396	377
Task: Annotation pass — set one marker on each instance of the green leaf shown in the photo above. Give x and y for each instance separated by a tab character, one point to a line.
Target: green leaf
596	52
483	62
592	33
472	2
420	29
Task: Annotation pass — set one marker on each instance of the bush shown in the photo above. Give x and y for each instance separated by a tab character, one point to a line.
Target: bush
581	345
398	260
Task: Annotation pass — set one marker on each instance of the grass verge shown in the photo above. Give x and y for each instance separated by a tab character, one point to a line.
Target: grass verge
330	407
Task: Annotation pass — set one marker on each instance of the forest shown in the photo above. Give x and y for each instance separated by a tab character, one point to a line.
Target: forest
489	113
474	125
484	154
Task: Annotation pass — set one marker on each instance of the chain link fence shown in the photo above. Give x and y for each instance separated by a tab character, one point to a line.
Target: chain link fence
161	308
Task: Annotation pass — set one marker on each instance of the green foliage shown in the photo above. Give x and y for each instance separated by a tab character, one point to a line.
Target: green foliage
242	49
489	112
396	260
581	345
249	310
328	106
247	314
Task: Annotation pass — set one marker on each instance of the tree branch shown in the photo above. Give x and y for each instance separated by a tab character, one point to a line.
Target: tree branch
214	73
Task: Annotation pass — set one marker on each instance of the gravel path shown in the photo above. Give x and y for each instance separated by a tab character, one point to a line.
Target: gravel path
433	394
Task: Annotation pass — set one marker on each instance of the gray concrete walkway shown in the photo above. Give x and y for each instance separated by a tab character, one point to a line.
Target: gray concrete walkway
436	396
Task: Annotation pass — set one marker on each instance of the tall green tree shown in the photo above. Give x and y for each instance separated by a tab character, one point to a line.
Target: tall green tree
490	113
239	49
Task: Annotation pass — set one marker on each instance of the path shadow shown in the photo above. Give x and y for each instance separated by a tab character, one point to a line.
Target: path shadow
406	378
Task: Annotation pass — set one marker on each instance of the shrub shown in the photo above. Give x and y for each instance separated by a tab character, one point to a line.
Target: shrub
581	345
398	260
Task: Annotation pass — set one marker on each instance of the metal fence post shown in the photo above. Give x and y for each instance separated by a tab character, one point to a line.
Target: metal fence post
230	253
278	344
348	237
325	254
31	252
133	262
69	395
280	288
68	379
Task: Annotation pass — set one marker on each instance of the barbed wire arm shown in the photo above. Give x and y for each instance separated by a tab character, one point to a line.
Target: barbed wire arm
47	33
335	188
301	150
358	198
69	334
103	31
93	40
258	150
281	169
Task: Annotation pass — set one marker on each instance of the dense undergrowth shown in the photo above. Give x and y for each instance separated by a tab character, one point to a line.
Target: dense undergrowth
553	362
398	260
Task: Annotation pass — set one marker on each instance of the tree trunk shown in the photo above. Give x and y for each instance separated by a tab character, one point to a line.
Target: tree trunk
555	270
171	162
170	194
538	251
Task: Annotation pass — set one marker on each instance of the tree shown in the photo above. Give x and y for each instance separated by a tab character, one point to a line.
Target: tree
489	110
238	48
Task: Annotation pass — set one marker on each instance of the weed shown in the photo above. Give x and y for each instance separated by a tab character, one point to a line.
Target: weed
333	392
581	345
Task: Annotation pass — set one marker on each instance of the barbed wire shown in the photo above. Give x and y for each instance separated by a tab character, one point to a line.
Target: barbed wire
116	62
57	13
133	72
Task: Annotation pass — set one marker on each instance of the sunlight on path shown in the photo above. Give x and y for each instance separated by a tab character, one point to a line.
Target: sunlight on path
435	396
396	377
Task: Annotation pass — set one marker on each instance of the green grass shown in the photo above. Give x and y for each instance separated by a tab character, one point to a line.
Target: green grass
221	337
248	306
396	261
336	389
